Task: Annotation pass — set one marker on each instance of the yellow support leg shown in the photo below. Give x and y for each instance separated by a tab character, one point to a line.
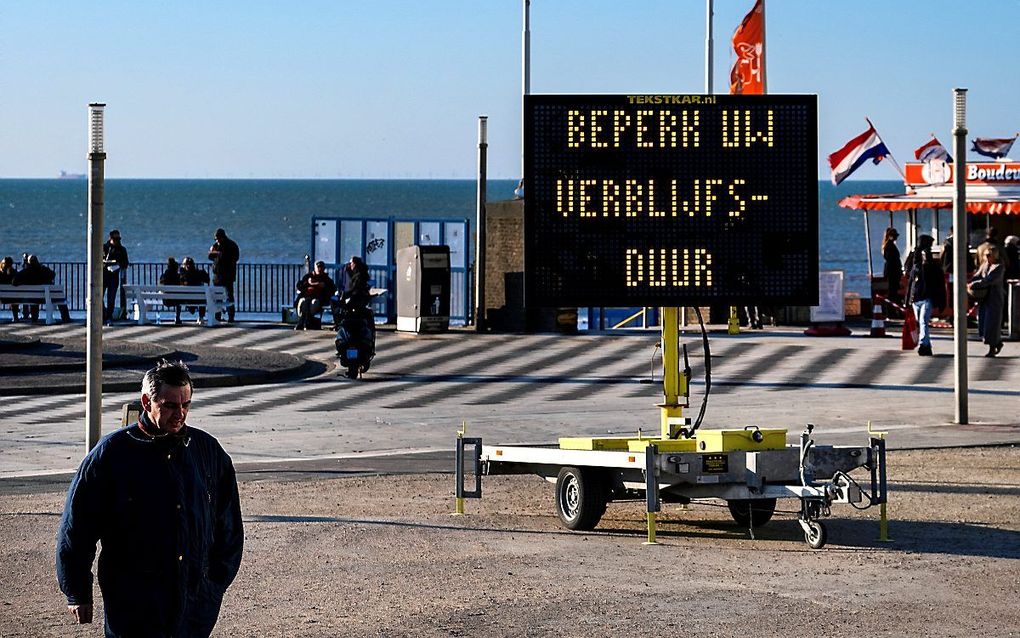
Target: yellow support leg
674	383
651	529
733	327
883	519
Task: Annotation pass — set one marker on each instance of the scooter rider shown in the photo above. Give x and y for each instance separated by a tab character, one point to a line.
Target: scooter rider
356	293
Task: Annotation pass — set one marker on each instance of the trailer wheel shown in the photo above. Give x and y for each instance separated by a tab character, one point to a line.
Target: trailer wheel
581	497
752	512
815	535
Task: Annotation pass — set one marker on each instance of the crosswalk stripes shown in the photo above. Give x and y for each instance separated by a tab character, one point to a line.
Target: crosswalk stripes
465	358
523	365
930	371
991	370
813	369
751	369
76	411
517	389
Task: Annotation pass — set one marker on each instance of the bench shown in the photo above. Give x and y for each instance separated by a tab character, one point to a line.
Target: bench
49	296
213	298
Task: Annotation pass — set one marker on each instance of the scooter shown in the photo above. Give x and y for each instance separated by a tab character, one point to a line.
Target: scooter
355	336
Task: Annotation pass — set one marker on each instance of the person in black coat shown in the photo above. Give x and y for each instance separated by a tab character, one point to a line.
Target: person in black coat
225	254
161	497
194	276
892	268
172	277
7	272
36	274
926	289
115	263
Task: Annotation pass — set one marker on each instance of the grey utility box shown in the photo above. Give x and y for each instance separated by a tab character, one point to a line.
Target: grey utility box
423	288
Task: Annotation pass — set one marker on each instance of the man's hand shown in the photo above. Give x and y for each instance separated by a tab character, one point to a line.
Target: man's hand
82	613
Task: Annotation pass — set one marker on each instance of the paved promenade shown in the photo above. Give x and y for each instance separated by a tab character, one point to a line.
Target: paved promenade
527	389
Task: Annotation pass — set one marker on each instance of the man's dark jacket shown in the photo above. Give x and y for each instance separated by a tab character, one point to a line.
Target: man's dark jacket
167	512
926	280
225	264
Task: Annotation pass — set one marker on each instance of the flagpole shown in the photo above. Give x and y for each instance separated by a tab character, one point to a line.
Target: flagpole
764	75
891	158
709	45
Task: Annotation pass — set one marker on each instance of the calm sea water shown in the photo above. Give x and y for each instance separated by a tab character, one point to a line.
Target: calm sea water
271	219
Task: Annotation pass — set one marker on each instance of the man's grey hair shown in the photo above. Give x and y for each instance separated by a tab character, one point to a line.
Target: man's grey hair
173	373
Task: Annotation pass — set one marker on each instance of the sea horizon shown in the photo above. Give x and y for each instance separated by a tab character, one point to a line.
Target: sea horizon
271	218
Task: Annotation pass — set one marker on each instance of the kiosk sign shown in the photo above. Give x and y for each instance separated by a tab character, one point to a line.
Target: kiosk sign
669	200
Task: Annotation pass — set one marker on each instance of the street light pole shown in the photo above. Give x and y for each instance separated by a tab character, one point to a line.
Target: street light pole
94	300
483	146
960	253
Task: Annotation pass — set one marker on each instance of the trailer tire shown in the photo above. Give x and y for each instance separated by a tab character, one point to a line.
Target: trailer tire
752	512
581	497
816	534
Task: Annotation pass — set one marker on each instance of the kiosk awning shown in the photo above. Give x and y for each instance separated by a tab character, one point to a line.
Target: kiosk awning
908	202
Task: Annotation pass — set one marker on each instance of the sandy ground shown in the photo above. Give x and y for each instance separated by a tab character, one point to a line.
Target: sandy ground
382	556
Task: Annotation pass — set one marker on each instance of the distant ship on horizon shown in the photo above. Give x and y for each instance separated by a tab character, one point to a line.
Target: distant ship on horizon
66	175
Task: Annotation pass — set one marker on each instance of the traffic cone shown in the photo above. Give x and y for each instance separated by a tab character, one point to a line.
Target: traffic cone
877	317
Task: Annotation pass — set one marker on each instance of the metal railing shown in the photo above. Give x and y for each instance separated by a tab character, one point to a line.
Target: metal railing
265	288
260	288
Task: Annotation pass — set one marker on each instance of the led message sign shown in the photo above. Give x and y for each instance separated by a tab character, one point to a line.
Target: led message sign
669	200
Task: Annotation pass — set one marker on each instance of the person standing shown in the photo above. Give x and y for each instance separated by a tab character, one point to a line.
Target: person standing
926	289
315	290
1012	250
892	269
225	254
986	288
161	497
115	263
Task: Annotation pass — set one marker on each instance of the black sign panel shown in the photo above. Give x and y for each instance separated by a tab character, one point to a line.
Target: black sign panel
669	200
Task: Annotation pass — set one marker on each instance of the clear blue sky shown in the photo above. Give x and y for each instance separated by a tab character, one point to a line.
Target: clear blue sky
387	88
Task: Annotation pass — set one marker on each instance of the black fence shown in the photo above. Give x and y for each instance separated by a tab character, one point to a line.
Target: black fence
260	288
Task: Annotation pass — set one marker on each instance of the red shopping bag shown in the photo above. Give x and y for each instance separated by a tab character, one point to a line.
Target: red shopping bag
911	329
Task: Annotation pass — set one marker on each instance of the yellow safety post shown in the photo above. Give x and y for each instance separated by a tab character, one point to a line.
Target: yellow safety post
459	505
733	327
674	384
883	519
651	530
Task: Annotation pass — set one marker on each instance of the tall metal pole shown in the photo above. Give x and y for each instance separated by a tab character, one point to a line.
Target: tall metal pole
960	252
708	47
94	301
483	146
525	70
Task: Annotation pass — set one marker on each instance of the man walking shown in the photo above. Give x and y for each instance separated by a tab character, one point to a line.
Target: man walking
162	498
224	254
115	263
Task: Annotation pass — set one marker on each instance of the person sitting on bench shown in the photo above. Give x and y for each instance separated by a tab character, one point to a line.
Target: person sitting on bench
314	291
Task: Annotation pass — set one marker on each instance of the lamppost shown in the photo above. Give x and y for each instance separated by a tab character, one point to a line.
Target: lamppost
483	145
960	252
94	300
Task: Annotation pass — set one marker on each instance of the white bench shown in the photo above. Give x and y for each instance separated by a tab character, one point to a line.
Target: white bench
214	298
49	297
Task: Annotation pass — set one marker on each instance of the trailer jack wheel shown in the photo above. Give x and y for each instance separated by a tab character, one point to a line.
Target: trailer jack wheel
815	533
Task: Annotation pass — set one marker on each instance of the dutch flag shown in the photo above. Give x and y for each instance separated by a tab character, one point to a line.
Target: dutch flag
993	147
866	146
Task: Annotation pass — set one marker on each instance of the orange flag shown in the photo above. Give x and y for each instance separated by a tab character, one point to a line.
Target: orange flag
748	74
